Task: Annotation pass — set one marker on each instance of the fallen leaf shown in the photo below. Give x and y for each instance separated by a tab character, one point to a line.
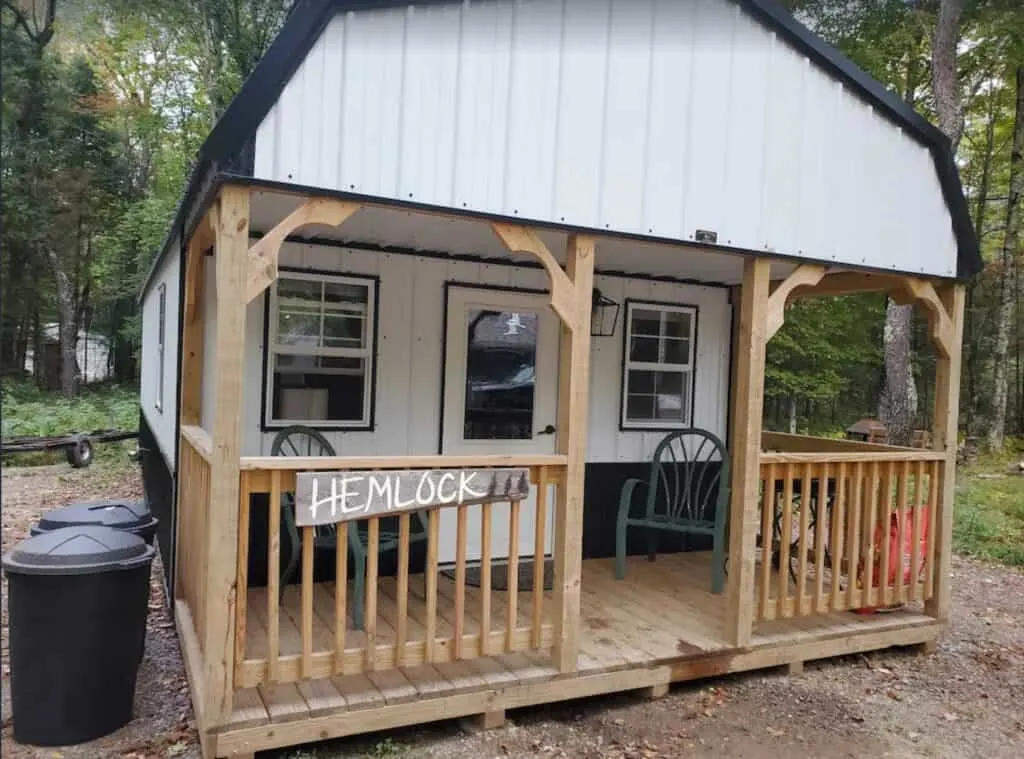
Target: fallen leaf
950	717
775	732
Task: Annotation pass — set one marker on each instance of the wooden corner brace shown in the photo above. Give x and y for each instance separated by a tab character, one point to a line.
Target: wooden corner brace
523	240
263	255
805	275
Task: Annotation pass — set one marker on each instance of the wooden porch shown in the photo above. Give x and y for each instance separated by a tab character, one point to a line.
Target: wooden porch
659	625
810	536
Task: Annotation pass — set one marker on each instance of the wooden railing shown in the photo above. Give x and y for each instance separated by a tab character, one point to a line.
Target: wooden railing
193	503
846	529
308	631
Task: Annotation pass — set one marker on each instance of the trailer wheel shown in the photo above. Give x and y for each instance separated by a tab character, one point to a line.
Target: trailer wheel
79	453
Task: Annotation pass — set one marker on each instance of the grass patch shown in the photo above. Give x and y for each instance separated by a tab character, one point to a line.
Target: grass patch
988	520
30	412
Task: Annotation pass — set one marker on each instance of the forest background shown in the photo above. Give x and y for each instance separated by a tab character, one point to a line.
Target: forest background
106	102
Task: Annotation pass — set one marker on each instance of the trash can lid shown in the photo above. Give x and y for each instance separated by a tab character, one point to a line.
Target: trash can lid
80	550
124	515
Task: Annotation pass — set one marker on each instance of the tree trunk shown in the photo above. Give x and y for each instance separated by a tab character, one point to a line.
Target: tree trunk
945	85
970	364
898	404
792	415
66	319
1008	273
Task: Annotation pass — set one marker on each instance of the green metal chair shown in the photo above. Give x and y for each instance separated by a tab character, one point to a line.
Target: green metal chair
683	487
298	440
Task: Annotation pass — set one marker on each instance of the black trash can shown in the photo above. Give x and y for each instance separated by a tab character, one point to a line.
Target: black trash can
130	516
77	603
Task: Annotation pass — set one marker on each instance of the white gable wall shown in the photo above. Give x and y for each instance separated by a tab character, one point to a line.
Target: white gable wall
162	421
653	117
410	341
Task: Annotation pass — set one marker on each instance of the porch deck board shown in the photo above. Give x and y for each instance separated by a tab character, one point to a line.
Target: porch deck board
662	612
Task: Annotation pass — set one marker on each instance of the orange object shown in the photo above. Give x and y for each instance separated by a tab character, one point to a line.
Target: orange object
897	557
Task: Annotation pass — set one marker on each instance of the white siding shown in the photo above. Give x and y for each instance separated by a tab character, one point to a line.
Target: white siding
161	421
409	352
652	117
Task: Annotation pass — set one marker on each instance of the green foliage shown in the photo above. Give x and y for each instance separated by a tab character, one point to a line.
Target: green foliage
989	514
28	411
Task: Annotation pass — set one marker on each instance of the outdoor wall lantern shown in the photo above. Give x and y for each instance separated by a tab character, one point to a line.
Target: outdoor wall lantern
604	315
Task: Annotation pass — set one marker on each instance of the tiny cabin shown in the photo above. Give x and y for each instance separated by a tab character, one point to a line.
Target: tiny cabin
453	363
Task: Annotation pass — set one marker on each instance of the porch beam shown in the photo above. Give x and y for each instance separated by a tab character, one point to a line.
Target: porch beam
264	254
192	335
748	406
573	404
232	244
944	438
520	239
904	290
805	275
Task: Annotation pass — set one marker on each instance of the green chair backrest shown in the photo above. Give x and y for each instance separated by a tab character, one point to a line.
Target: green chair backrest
689	473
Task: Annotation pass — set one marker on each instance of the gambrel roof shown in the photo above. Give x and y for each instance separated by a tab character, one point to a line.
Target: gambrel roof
872	182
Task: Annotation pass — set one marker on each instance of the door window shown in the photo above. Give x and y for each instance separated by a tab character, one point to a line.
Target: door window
501	368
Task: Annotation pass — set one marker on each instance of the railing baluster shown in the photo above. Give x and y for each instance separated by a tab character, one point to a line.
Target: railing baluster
820	517
933	496
836	522
431	583
274	576
915	534
307	600
904	486
885	533
853	534
460	581
870	594
402	623
340	597
767	511
540	542
242	575
485	579
513	576
805	527
785	538
370	615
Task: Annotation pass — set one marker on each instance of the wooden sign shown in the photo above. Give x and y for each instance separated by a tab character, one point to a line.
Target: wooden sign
330	497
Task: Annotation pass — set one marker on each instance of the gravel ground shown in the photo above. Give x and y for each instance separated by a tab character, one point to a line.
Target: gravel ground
965	701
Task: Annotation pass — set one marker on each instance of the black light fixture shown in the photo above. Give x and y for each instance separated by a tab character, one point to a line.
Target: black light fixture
604	315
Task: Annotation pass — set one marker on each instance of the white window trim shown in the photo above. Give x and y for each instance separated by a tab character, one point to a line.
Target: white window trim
691	366
161	339
368	353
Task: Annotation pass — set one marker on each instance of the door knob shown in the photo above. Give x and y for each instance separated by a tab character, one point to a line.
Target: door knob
549	430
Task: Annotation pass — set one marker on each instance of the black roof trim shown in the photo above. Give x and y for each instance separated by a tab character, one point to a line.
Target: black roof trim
308	18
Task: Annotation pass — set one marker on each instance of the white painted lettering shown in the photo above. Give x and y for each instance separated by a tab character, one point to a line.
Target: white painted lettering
379	489
440	483
466	493
425	499
346	480
399	503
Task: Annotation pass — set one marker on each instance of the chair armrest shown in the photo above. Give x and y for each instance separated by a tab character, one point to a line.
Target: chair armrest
626	496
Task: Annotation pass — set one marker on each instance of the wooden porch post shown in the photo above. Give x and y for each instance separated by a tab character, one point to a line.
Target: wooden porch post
944	438
745	450
230	259
573	409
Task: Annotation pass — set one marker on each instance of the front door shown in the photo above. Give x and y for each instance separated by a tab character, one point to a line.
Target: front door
501	386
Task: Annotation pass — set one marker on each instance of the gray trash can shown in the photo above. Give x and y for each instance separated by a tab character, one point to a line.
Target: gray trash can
130	516
77	603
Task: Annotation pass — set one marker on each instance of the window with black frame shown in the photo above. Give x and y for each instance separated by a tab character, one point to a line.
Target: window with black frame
657	374
320	351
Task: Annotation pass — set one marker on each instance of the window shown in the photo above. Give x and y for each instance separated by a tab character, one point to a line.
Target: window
657	379
161	332
320	351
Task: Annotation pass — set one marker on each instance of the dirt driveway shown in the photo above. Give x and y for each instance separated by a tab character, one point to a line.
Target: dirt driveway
966	701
